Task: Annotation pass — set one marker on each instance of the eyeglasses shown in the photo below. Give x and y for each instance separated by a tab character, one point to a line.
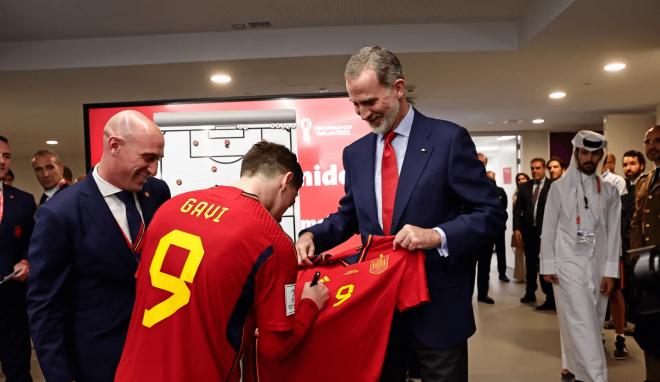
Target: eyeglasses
655	141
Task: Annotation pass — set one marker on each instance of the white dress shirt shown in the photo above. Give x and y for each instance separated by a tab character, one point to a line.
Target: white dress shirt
540	186
116	206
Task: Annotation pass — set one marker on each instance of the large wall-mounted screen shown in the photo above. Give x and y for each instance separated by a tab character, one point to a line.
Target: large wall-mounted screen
205	141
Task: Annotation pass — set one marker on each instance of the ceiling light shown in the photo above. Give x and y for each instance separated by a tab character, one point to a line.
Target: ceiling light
614	67
52	142
557	95
538	121
505	137
221	78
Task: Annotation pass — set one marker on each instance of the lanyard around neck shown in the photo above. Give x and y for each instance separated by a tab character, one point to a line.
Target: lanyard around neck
586	203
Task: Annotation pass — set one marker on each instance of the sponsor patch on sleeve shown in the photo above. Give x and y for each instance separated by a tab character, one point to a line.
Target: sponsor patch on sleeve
290	299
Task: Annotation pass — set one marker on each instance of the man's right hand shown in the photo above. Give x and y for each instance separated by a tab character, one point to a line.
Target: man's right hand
317	293
305	248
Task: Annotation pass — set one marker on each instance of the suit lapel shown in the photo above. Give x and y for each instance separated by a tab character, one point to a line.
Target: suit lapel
146	204
365	166
418	153
97	211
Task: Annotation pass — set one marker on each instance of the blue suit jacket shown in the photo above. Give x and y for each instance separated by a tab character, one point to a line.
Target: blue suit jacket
82	285
15	227
441	184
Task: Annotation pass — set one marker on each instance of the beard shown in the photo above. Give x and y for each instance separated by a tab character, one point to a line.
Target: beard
588	168
653	155
387	120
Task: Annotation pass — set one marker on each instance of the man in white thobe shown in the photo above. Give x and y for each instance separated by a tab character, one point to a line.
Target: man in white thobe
580	248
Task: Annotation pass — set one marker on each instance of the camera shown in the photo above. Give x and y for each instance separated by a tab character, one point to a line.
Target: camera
646	279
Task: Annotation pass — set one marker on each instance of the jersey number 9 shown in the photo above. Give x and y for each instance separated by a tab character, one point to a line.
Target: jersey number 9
176	285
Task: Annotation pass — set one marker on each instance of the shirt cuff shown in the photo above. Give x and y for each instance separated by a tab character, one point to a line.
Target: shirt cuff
442	250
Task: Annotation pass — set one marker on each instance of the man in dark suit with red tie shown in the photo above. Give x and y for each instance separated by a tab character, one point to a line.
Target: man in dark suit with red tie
417	178
49	171
16	222
85	251
527	224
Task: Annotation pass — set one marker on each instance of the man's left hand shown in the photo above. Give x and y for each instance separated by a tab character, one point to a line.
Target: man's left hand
606	285
23	268
411	238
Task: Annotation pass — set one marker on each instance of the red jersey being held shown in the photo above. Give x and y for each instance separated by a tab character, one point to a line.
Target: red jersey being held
347	342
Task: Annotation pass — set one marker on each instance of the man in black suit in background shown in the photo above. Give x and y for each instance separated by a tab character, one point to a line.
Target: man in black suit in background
500	241
16	223
527	224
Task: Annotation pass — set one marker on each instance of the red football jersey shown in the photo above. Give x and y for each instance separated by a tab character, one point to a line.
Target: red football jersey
348	340
214	263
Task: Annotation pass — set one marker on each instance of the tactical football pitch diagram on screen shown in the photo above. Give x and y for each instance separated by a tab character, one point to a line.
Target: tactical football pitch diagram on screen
206	148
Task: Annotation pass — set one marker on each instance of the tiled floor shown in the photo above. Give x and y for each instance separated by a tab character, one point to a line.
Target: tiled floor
515	343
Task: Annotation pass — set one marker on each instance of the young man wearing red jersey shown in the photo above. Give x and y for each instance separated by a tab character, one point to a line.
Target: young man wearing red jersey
216	265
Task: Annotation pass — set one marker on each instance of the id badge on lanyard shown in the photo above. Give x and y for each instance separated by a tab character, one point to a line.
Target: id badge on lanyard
585	239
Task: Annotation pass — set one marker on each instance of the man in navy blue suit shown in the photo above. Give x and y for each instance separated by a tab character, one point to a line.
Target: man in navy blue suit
417	178
85	251
16	223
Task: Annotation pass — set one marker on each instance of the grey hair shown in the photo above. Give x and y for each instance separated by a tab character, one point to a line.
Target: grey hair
385	63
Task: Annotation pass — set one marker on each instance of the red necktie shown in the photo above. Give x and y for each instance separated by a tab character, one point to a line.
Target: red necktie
389	178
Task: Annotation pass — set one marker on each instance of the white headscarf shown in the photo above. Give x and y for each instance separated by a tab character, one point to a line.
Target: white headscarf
588	140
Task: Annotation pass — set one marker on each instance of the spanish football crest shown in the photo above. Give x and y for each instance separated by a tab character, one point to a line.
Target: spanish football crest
379	265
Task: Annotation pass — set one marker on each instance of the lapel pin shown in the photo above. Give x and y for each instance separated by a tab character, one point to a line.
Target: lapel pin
423	150
11	196
146	194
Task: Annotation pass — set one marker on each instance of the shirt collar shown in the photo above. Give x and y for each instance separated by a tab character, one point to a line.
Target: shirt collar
54	190
51	192
106	188
404	126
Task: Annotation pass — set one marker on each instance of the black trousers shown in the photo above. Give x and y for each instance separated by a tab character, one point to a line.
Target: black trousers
483	271
500	251
480	269
447	365
532	244
15	347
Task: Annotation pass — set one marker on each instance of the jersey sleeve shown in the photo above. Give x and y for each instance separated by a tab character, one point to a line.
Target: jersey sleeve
413	289
275	291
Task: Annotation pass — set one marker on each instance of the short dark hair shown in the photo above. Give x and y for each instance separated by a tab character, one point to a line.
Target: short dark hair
538	159
67	174
636	154
3	139
10	173
272	159
558	160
